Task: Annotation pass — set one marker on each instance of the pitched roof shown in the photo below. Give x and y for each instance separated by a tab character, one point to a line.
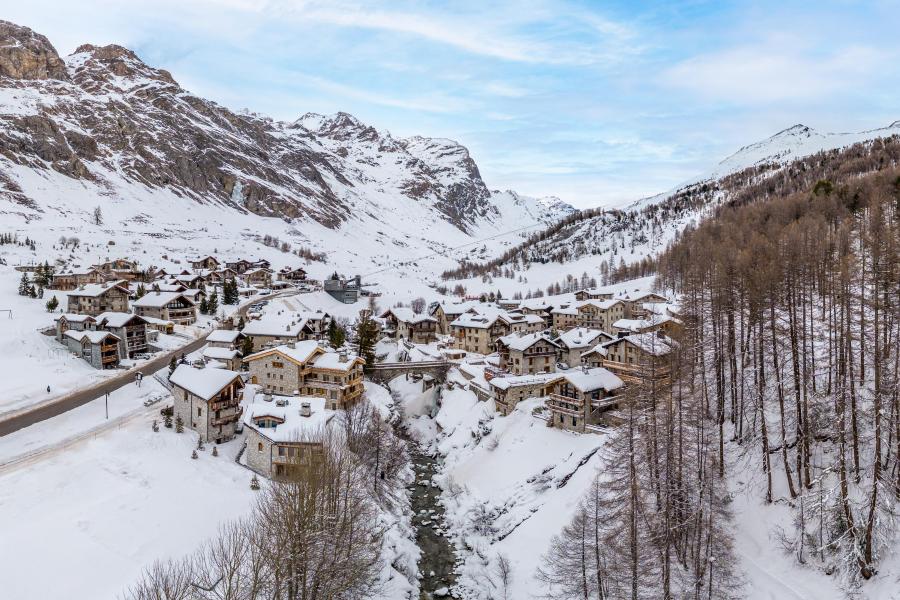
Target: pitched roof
293	426
204	383
588	380
300	353
117	319
92	290
95	337
158	300
515	341
504	383
220	353
74	318
406	315
581	337
653	343
226	336
275	325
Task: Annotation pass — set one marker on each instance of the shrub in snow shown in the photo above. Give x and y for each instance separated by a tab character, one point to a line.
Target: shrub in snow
179	424
254	483
155	426
199	443
167	420
193	454
215	451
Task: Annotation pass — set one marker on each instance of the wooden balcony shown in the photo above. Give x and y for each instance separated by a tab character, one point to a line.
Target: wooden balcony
226	419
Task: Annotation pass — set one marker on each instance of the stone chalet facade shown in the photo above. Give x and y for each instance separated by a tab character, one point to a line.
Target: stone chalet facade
307	369
288	274
600	314
208	400
509	391
131	329
581	398
100	349
97	298
284	433
578	340
478	331
527	354
637	358
403	323
166	306
230	339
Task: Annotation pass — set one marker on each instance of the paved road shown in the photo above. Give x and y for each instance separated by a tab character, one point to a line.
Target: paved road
16	420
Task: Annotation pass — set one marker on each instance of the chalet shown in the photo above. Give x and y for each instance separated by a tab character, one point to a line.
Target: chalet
219	276
230	339
288	274
205	262
637	358
527	354
74	279
652	322
167	287
118	269
208	400
594	294
166	306
275	329
159	325
259	277
100	349
403	323
129	328
447	313
600	314
226	357
190	280
239	266
284	433
195	295
564	317
73	322
509	391
580	398
575	342
96	298
472	332
307	369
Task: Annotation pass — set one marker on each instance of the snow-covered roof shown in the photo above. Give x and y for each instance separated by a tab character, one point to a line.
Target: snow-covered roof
565	309
155	321
74	318
653	343
515	341
95	337
158	300
204	383
475	320
406	315
588	380
168	287
300	353
504	383
117	319
223	336
601	304
275	325
581	337
293	427
332	360
93	290
220	353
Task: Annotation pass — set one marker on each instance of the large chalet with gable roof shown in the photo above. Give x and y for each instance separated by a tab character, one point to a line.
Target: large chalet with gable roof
208	400
96	298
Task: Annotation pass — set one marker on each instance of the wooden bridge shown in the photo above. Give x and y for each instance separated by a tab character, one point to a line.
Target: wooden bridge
385	371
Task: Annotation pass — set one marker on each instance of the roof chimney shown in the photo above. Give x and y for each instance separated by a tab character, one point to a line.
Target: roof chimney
305	409
342	356
292	345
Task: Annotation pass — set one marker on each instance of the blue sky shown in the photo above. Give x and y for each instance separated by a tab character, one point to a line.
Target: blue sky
595	102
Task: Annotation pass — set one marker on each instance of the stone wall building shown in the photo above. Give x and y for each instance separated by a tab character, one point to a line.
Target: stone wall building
307	369
167	306
580	399
97	298
208	400
284	433
100	349
527	354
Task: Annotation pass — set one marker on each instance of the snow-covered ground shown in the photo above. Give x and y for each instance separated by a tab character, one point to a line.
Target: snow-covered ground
96	512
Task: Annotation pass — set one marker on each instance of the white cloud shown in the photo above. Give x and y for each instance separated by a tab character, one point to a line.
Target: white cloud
775	72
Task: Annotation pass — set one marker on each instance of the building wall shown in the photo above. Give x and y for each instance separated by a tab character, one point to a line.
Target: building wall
259	452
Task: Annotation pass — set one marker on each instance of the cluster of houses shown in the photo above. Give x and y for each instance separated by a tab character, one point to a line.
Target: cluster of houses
579	353
110	290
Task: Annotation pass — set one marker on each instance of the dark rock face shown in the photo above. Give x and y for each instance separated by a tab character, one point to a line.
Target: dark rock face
104	111
25	54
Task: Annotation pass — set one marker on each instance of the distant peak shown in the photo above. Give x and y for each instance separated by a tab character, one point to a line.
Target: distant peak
120	60
25	54
798	129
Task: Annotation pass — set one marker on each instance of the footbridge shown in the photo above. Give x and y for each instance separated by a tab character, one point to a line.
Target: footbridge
385	371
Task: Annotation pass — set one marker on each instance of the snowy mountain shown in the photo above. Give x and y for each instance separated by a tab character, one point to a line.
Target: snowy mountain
101	127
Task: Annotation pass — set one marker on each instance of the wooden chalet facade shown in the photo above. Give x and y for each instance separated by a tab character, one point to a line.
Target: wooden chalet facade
166	306
98	298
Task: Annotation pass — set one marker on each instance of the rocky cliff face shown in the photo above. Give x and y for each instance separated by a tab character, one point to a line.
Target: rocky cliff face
103	115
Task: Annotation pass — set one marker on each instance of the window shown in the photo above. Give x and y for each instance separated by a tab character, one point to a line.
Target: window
280	450
259	447
199	411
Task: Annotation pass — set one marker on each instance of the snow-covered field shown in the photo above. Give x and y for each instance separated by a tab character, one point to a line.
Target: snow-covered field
84	520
